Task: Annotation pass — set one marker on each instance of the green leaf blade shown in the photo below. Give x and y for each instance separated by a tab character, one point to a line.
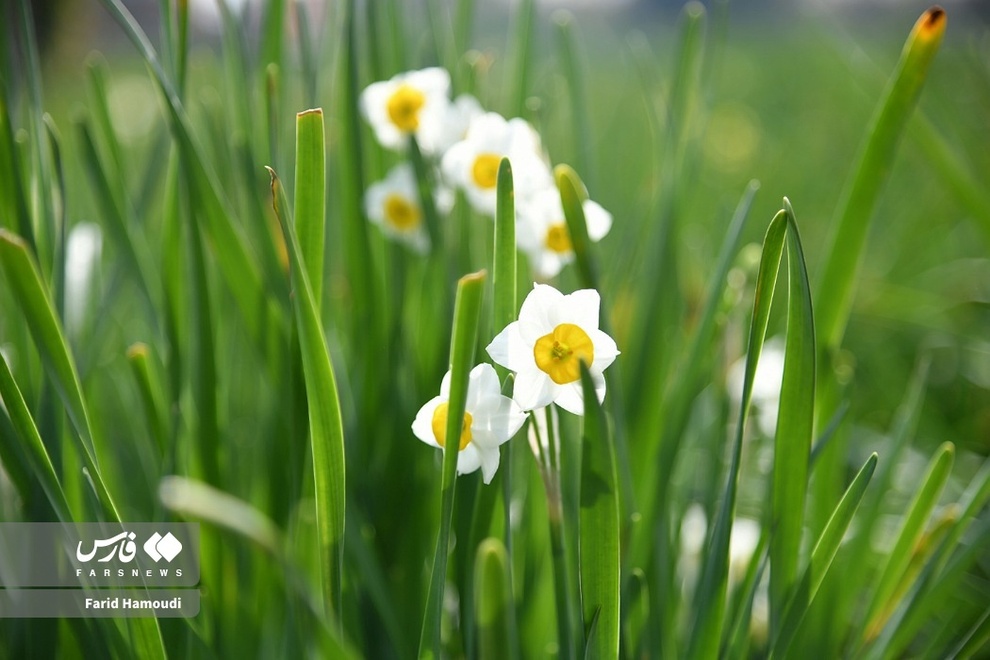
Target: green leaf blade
464	338
822	556
843	257
326	428
795	428
599	528
710	598
310	195
493	603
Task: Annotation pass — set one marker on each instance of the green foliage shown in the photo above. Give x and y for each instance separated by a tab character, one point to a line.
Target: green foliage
254	362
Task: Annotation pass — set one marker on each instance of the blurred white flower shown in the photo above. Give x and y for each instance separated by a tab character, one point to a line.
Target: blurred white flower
411	103
490	419
545	347
393	204
766	384
541	230
460	114
82	255
694	531
743	539
472	164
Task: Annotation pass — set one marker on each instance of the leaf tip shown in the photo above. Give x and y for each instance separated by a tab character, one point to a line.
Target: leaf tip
474	277
137	350
931	25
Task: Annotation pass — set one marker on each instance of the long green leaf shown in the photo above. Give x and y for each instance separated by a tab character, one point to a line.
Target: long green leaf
795	427
911	530
822	556
679	394
310	195
326	431
599	528
493	603
710	597
13	202
195	499
522	49
235	260
581	138
24	278
572	196
504	289
504	263
152	394
464	338
34	449
873	165
110	196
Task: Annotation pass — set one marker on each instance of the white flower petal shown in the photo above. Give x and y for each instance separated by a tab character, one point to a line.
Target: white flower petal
536	314
422	426
580	308
508	349
489	463
571	398
533	388
599	220
468	459
605	351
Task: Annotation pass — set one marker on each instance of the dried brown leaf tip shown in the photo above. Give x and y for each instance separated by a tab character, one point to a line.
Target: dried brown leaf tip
932	23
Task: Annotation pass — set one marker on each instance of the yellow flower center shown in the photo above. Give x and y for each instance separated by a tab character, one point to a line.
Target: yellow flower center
440	427
400	213
404	106
560	353
559	239
485	170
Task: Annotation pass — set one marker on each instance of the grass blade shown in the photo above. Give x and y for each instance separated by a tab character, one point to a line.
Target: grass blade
326	431
33	449
36	305
822	556
464	339
310	195
581	129
193	499
235	261
504	288
835	288
795	428
13	202
497	638
710	597
152	394
599	528
911	530
572	196
662	451
522	52
504	266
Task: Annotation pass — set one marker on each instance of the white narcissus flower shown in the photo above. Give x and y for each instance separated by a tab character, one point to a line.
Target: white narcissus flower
411	103
545	347
490	419
393	204
541	230
472	164
460	114
82	258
